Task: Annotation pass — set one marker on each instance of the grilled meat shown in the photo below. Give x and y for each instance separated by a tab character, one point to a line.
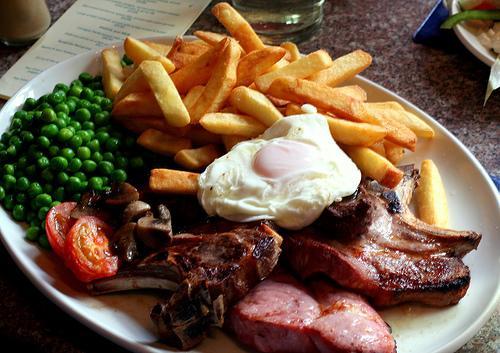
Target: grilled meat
373	245
281	315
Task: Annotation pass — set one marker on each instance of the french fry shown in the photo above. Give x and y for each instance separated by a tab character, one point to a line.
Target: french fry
112	73
162	143
212	38
199	136
137	104
353	91
181	55
166	94
239	28
379	148
343	68
128	70
256	63
183	59
192	96
170	181
197	158
229	109
293	109
220	85
139	125
230	140
139	51
292	49
301	68
279	65
255	104
199	71
196	47
162	49
410	120
232	124
278	102
374	165
323	97
134	83
393	152
397	132
355	134
432	206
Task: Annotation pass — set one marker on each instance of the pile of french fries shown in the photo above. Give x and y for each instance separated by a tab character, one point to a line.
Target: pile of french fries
194	100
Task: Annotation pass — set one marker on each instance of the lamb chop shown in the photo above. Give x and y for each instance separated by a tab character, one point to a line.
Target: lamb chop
282	315
208	269
372	244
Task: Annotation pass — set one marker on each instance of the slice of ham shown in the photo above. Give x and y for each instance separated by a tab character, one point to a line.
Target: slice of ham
281	315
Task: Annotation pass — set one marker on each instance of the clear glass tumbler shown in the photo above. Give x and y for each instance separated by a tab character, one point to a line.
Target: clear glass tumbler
277	21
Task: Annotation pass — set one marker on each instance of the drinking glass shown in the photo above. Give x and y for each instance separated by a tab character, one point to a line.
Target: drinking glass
277	21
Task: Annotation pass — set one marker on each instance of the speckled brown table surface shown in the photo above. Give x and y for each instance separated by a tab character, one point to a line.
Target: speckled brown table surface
446	81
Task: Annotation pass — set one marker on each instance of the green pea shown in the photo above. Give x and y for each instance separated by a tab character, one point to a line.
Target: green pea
75	125
74	165
60	123
54	204
105	167
88	125
21	198
85	77
11	151
43	106
48	188
34	189
83	153
48	115
121	162
47	175
8	202
112	144
96	183
76	141
62	178
5	137
43	200
76	197
22	162
15	141
9	182
72	129
27	136
19	213
80	176
83	104
29	104
53	150
65	134
108	156
22	184
99	93
8	169
32	219
89	166
107	104
44	242
32	233
16	123
2	193
4	156
95	109
67	153
71	105
95	85
42	162
75	91
30	170
73	184
102	118
59	194
42	99
93	145
97	157
56	97
119	175
87	93
62	107
50	130
136	162
42	212
82	115
61	87
58	163
97	100
84	135
43	141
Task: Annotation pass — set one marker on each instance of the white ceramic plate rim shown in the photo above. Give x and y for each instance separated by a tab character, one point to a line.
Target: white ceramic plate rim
23	262
470	41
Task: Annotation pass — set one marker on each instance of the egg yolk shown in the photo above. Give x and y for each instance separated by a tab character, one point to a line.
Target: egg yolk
282	158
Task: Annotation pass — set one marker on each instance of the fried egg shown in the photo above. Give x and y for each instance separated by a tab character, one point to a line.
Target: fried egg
289	175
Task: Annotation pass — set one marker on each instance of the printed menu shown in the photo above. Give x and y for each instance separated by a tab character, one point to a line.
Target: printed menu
93	24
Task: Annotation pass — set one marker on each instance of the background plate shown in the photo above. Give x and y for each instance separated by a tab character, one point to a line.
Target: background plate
124	318
470	40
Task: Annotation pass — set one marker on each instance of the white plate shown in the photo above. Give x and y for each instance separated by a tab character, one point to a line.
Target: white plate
469	39
124	318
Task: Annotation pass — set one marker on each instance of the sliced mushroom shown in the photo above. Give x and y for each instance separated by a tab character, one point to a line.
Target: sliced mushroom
155	233
123	194
164	213
135	210
124	243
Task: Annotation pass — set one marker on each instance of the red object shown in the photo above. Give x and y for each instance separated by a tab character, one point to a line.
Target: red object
57	224
87	250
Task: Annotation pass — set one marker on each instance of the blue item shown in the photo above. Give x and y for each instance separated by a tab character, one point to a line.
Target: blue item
496	181
429	30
